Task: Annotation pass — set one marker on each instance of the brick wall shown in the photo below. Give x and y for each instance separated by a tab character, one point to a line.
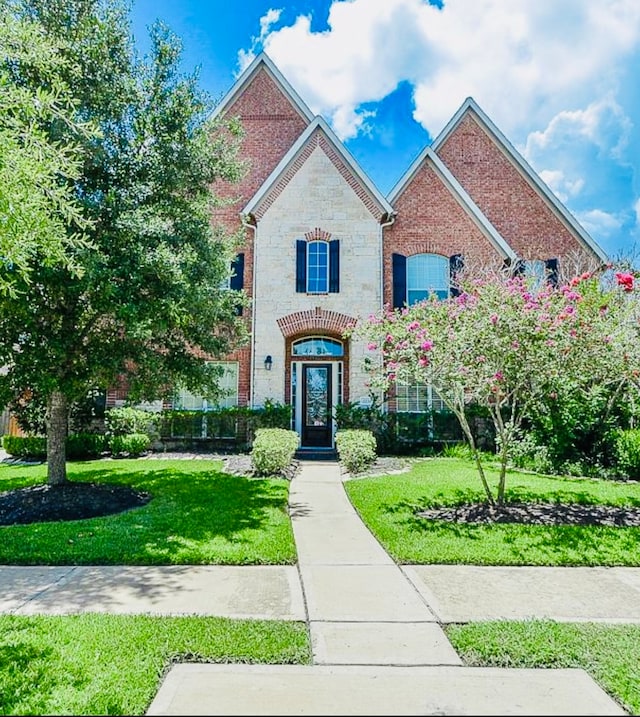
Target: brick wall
431	220
505	196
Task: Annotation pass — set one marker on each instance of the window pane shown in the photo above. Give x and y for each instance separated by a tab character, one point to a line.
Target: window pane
317	346
426	274
228	383
318	267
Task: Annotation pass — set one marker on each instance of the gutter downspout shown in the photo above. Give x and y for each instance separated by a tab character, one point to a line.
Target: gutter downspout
390	220
249	223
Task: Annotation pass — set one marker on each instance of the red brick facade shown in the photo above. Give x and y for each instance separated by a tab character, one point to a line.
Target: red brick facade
471	196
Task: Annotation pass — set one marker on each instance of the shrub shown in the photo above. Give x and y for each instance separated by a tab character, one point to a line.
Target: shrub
357	449
25	446
85	445
273	450
127	420
627	452
132	444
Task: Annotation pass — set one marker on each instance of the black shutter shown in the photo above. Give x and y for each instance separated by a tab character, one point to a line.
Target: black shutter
237	278
456	265
399	274
334	266
551	266
301	266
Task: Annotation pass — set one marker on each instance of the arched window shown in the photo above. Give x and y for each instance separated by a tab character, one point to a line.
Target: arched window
427	274
317	346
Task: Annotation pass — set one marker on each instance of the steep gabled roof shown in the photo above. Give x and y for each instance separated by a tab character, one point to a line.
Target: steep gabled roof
470	106
428	156
319	133
262	61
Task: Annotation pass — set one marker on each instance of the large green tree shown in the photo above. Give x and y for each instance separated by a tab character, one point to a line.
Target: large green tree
148	304
37	205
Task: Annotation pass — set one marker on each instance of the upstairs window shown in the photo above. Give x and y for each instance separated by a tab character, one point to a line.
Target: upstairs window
318	267
417	277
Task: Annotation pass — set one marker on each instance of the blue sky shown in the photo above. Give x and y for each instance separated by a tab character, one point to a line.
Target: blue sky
559	78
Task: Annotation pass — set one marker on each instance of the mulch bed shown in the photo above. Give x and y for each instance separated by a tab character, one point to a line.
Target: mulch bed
70	501
536	514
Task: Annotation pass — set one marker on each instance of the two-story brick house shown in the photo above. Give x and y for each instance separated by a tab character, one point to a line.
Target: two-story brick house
325	249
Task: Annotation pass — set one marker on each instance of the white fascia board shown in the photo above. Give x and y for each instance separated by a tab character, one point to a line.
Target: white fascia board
290	156
263	60
525	168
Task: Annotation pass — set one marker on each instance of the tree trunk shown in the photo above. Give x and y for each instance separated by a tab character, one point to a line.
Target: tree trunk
57	426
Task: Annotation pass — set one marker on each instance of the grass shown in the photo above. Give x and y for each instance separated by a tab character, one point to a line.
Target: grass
95	664
609	653
197	515
388	505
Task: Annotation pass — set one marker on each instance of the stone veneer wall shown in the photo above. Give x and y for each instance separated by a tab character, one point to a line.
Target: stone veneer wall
317	196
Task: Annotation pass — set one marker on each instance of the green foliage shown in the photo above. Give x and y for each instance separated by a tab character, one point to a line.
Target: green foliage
125	420
356	448
97	664
197	515
131	444
238	423
273	450
86	445
37	205
510	347
627	452
609	653
389	506
146	287
25	446
79	445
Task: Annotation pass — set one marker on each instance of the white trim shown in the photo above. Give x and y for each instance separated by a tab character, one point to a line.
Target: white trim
318	124
452	184
262	61
525	168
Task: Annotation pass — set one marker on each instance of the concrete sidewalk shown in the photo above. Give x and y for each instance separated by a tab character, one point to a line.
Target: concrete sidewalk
376	627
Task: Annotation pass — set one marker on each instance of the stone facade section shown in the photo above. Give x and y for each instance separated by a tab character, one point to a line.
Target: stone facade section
515	207
316	196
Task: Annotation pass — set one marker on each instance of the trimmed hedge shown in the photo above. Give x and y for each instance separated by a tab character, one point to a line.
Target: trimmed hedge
131	445
356	448
273	450
25	446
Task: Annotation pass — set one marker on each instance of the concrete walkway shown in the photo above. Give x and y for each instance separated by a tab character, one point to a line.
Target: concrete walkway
378	644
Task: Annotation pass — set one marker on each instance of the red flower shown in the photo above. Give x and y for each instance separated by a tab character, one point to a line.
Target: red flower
625	280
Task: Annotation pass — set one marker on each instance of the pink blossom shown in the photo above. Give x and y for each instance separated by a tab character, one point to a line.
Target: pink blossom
481	359
515	344
372	346
625	280
426	345
422	362
494	319
498	375
414	325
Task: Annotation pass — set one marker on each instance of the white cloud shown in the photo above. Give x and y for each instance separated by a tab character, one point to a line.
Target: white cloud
599	223
246	57
522	61
562	187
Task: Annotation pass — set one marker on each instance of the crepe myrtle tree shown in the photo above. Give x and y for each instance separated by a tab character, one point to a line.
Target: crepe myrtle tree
505	344
146	303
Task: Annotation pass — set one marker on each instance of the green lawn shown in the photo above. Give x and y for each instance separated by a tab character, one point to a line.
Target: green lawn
609	653
197	515
388	505
113	664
